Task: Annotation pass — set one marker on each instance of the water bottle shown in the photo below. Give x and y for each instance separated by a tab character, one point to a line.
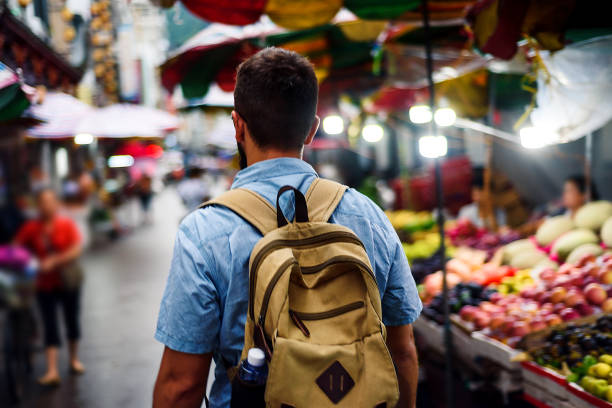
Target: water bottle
249	386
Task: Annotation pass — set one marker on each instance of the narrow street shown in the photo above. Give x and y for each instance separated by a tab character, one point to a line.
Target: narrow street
124	284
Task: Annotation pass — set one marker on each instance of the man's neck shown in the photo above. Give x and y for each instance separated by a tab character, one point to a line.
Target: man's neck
270	154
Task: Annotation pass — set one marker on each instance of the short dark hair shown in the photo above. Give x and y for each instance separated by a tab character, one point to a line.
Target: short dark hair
478	178
276	94
580	182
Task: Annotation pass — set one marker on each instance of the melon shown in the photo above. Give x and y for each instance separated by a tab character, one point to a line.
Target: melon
593	215
582	250
546	264
553	228
572	240
516	247
527	259
606	232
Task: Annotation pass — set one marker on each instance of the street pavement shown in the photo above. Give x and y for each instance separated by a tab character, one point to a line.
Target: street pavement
123	287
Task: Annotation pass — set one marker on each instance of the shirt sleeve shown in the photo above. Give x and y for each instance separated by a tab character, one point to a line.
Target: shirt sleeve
24	234
189	316
401	304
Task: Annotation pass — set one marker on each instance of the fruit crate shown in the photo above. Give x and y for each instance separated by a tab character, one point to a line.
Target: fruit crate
579	398
495	351
432	332
549	381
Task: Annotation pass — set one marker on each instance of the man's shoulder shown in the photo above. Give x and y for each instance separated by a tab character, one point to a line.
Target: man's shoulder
210	223
357	204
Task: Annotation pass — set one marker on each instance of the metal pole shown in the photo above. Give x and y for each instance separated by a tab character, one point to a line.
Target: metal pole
588	163
448	341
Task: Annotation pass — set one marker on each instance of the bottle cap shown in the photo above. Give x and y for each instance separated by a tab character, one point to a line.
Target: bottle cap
256	357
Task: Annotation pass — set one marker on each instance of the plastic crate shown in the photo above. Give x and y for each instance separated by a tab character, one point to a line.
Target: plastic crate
552	382
579	398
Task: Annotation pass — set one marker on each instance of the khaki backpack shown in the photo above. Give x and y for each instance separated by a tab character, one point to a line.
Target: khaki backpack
314	305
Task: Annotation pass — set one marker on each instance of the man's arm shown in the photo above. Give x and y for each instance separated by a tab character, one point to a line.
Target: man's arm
182	378
400	341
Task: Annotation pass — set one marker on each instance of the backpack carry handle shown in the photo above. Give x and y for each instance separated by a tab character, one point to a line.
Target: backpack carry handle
301	210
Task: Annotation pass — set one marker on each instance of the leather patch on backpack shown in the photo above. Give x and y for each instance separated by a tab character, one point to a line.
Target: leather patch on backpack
381	405
335	382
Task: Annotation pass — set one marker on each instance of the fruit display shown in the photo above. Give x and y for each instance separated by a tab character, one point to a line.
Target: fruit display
606	233
404	220
425	246
464	233
572	240
580	352
593	215
463	294
562	295
553	228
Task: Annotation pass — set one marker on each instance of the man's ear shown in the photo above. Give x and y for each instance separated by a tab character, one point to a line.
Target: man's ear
239	127
313	130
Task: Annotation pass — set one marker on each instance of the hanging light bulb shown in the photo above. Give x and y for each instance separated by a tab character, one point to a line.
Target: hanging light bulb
420	114
333	125
433	147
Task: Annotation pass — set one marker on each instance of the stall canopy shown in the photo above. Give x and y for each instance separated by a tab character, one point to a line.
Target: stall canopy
13	100
61	113
301	14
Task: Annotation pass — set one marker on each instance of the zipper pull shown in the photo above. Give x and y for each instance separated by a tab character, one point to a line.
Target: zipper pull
299	323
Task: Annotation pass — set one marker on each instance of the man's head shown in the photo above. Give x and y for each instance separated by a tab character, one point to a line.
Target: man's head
275	102
48	203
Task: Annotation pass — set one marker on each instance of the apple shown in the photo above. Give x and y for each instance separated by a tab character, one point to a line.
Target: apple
558	307
507	325
553	320
595	293
548	274
606	306
605	277
584	309
467	313
520	329
585	259
576	279
547	307
572	298
481	319
538	323
497	320
588	280
568	314
495	297
592	270
558	294
565	269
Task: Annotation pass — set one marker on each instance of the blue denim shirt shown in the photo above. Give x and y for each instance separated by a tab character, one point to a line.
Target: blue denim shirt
204	306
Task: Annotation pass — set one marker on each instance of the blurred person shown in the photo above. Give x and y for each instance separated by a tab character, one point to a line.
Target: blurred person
475	211
203	311
56	242
193	190
575	195
144	190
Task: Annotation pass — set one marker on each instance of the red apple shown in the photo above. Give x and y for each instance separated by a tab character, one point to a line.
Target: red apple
538	324
592	269
595	293
605	277
553	320
565	269
481	319
548	274
520	329
585	259
495	297
467	313
547	307
584	309
558	307
506	327
572	298
606	306
576	279
588	280
558	294
497	320
568	314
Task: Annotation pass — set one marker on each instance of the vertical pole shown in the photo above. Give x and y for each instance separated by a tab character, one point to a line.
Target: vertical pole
448	341
588	163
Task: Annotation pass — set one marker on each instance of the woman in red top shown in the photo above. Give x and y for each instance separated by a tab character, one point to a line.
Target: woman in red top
56	242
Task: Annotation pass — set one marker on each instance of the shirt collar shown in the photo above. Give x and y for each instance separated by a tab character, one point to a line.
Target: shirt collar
272	168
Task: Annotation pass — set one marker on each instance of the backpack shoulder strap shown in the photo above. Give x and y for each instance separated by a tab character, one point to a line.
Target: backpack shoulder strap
322	198
249	205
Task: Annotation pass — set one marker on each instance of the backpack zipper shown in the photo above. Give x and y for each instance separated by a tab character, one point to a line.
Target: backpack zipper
281	270
299	317
336	236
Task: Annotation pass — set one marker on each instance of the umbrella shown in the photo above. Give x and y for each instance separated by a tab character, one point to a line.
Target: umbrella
61	112
125	120
13	100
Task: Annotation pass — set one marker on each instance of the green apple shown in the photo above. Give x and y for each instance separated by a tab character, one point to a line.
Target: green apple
606	358
602	370
600	388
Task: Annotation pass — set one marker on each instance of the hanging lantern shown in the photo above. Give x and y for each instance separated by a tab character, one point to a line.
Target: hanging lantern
24	3
109	63
98	55
69	34
67	15
96	24
109	76
99	70
105	16
95	8
107	26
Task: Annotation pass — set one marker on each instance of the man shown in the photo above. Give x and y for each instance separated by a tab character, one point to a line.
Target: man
475	212
204	307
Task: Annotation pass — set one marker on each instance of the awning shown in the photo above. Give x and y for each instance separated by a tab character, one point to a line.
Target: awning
13	100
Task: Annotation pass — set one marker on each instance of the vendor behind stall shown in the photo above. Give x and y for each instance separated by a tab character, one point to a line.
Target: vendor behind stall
575	195
476	211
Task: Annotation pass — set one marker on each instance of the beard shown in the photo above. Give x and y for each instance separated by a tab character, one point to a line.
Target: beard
242	159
